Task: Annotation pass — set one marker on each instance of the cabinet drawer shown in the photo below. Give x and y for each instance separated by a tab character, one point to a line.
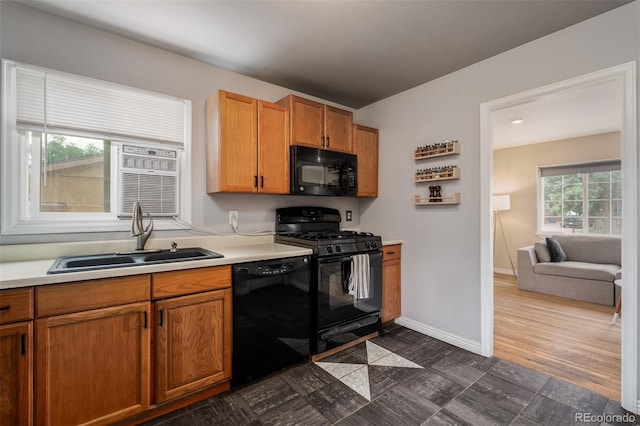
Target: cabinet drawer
391	252
87	295
177	283
16	305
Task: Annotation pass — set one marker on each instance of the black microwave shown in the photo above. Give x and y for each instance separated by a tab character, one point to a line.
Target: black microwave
317	171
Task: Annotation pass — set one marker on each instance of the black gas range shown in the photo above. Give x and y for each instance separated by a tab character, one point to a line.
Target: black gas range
346	290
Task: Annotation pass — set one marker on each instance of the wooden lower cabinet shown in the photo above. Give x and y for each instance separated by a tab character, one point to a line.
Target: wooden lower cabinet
193	343
391	282
16	374
93	367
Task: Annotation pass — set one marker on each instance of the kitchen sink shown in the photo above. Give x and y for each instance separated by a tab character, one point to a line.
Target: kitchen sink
93	262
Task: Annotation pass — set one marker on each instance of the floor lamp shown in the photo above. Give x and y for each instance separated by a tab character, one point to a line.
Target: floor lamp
501	203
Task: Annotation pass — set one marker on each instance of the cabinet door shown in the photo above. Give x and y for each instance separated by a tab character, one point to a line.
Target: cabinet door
338	129
307	122
238	163
391	279
273	148
193	343
365	146
16	373
93	366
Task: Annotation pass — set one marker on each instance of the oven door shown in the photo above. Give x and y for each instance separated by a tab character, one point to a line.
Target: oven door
335	305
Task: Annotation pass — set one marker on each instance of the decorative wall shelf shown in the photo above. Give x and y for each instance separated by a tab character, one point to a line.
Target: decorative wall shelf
437	150
447	173
425	200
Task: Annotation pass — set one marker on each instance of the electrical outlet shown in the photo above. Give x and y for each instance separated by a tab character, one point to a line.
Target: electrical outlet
233	218
349	216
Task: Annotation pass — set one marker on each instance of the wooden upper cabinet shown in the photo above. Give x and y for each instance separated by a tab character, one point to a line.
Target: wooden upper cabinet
273	148
247	145
317	125
365	146
307	121
232	145
337	132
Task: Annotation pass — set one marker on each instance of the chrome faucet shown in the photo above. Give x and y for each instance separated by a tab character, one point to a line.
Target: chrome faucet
137	228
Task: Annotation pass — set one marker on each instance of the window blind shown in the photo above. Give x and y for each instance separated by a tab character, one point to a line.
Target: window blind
64	101
569	169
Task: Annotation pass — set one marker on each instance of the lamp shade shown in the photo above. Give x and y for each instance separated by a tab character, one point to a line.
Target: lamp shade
501	202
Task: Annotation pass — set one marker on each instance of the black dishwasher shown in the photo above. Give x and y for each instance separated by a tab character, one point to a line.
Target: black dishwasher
271	301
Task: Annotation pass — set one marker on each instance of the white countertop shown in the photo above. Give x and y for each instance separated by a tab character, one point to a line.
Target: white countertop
34	272
15	272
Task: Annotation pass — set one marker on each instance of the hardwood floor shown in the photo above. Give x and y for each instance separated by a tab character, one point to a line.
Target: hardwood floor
571	340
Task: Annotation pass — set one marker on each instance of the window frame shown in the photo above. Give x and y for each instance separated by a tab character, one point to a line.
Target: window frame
15	220
584	168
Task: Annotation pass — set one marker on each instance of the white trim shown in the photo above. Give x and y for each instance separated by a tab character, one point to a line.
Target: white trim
503	271
436	333
15	220
626	74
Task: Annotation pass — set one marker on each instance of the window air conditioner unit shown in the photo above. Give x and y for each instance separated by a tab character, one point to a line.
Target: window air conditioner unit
149	175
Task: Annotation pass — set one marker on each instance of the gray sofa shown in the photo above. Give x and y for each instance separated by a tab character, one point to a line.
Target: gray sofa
592	264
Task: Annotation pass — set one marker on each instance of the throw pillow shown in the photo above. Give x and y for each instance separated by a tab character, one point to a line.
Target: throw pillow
542	251
556	252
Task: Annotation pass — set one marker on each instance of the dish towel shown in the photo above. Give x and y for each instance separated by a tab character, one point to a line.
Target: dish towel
359	279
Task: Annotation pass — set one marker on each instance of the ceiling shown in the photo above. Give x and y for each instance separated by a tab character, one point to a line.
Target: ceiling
353	53
581	111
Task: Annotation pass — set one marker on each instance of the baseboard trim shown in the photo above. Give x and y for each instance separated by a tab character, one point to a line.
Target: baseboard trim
503	271
452	339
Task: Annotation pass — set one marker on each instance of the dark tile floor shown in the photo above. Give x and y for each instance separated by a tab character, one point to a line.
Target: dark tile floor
453	387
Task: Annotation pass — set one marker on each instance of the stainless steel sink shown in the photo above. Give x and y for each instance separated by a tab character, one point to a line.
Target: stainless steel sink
92	262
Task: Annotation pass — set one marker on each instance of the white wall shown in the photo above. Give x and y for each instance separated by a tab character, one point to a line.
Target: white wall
36	38
441	264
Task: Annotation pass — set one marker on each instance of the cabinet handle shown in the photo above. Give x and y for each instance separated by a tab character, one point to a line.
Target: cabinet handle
161	317
144	319
390	252
5	308
261	181
255	181
23	344
328	142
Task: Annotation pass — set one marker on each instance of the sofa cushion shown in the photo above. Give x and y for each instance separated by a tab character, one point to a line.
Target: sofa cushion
555	250
542	251
591	248
583	270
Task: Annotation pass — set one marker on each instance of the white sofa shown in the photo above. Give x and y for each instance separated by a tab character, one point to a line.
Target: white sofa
592	264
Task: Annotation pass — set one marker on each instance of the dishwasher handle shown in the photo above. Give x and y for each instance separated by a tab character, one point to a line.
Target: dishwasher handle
268	269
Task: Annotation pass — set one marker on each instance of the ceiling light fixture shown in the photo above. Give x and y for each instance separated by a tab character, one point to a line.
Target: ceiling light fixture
517	121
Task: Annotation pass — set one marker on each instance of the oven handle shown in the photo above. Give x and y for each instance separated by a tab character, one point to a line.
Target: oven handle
329	259
349	327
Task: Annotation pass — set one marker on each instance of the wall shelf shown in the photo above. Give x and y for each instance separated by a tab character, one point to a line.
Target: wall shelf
425	200
437	150
449	174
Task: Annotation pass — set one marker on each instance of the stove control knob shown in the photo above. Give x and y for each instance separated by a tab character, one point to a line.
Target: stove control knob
367	245
374	244
329	249
338	249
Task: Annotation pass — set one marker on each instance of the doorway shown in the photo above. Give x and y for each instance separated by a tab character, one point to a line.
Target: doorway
625	75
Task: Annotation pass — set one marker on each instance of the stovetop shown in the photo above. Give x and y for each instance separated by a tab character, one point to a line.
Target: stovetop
318	228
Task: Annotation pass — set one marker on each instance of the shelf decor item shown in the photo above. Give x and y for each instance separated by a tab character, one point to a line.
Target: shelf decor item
448	147
428	200
437	173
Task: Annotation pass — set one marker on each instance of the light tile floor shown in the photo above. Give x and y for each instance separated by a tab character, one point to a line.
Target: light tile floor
405	378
